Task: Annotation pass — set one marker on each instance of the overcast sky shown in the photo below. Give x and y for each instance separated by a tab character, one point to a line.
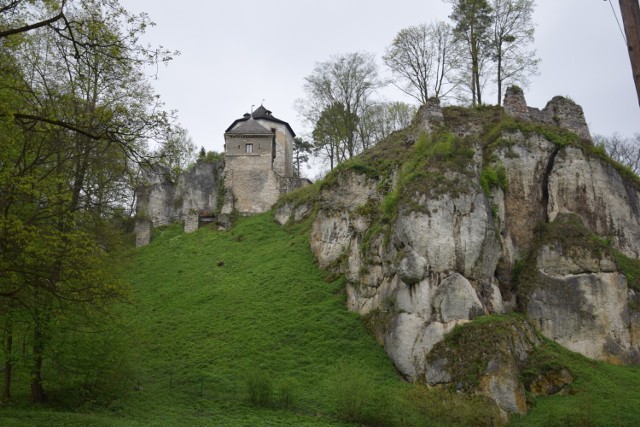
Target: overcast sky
235	54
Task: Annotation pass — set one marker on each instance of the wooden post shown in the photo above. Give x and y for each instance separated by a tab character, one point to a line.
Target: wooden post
630	10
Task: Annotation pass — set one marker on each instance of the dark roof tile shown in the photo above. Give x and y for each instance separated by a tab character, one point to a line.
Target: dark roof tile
259	113
250	126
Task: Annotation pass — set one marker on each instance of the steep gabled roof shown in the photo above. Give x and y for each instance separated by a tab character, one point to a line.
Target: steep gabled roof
259	113
250	126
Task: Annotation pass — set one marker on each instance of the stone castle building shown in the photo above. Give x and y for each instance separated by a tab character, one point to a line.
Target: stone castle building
258	155
256	169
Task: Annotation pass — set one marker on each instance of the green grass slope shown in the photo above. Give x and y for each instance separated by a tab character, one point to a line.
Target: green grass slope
213	309
242	328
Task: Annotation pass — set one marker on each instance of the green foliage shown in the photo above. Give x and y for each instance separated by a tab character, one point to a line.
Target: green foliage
472	345
442	407
493	177
260	388
630	267
358	166
221	194
306	194
211	157
479	118
559	136
91	369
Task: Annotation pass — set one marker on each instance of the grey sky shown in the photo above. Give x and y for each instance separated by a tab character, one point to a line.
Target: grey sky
235	54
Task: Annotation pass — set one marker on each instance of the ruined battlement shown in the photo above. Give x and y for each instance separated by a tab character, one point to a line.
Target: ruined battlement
560	111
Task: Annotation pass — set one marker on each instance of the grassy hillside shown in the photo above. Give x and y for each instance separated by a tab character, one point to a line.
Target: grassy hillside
241	328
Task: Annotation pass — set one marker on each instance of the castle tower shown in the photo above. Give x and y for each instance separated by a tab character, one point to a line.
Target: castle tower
258	161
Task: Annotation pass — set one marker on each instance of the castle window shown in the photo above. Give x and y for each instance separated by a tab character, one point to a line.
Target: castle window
249	148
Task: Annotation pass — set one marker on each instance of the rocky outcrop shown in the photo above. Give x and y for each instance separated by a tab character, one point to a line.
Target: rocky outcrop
577	297
606	202
437	236
487	357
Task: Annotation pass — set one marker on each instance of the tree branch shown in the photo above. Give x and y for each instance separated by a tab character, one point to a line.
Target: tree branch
30	27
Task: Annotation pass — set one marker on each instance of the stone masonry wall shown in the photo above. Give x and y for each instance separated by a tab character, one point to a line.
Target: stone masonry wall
560	111
252	183
162	201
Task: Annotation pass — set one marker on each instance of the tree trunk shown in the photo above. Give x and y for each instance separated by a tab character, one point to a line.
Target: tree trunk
37	390
499	78
630	10
476	78
8	365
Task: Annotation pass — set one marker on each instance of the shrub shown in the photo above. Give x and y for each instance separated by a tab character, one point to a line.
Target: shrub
493	177
285	394
260	388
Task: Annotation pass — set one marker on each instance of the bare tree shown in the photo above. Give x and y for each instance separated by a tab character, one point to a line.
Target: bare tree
623	150
513	32
423	58
382	119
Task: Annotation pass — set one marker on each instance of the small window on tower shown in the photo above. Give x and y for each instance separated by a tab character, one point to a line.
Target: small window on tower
249	148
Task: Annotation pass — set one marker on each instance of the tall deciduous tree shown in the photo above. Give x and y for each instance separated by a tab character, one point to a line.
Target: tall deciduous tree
512	34
341	88
424	58
301	151
74	111
176	150
332	132
472	23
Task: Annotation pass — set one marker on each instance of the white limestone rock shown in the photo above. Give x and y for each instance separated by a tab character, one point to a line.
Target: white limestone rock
456	299
583	309
608	204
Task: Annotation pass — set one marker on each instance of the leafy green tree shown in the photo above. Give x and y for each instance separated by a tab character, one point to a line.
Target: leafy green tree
472	24
333	132
75	110
176	150
301	151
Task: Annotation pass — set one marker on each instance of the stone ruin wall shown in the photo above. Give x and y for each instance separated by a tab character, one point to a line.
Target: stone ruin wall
163	201
250	187
560	111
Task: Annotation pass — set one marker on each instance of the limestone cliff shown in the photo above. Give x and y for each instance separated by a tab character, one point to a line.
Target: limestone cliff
450	219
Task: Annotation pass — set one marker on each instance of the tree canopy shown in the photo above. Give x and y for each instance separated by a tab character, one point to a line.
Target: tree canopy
75	114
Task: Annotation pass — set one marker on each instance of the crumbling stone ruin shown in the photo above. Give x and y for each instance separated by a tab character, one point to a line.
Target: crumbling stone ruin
560	111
